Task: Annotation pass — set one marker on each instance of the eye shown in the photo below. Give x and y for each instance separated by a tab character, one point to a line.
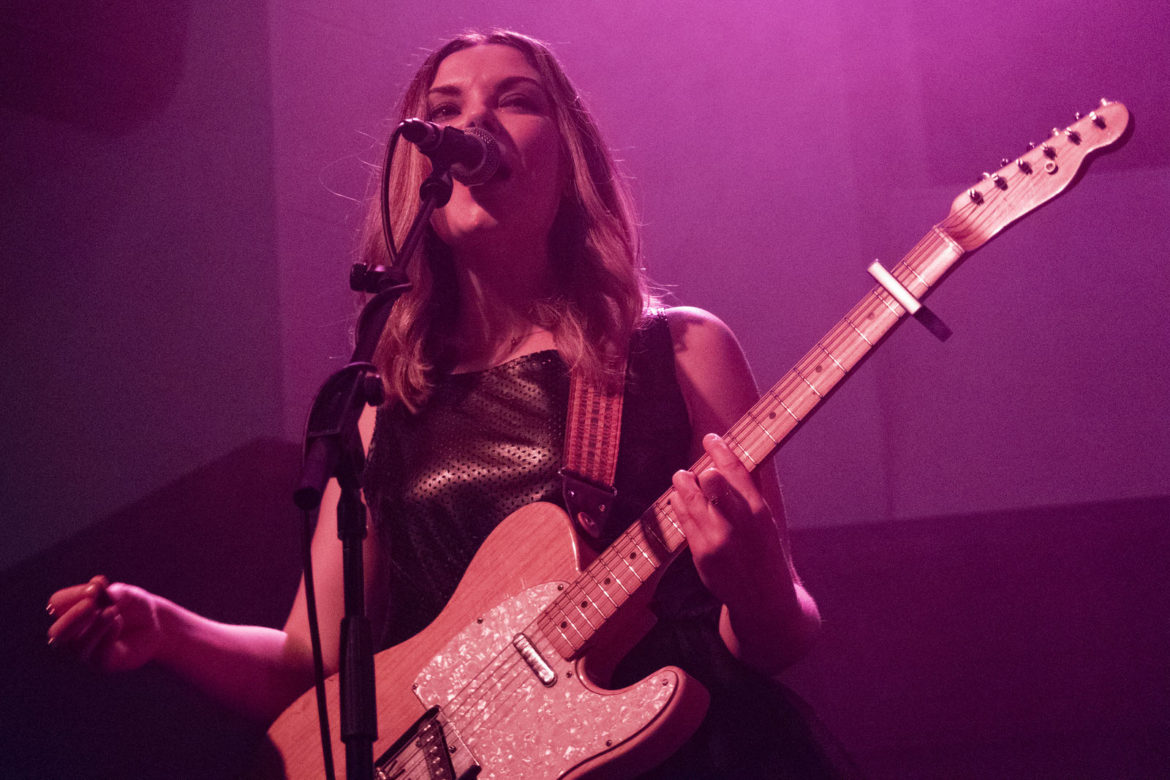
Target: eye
442	112
520	102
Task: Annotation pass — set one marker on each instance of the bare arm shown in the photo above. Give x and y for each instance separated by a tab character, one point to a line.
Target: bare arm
740	539
255	670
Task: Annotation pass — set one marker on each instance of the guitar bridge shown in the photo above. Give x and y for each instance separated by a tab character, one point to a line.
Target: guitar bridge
429	750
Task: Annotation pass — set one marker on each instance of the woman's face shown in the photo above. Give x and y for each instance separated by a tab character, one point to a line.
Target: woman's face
493	87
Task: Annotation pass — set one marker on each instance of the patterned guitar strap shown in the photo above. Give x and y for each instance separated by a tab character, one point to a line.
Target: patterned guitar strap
592	434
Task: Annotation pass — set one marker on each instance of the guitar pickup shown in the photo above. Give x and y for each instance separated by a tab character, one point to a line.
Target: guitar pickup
425	747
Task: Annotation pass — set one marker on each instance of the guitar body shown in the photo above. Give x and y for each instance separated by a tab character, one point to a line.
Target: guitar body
543	718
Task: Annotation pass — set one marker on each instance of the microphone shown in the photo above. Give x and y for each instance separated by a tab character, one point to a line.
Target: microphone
472	156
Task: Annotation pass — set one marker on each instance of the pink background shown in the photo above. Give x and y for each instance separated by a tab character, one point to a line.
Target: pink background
181	207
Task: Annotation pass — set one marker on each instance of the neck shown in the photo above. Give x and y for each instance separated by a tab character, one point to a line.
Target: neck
496	296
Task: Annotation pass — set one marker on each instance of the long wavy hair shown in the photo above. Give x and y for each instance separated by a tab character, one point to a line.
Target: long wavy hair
601	288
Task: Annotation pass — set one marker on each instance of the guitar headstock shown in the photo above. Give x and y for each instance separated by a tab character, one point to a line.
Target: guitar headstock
1033	179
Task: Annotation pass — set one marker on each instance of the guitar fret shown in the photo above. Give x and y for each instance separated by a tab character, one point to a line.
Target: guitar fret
916	276
763	428
648	528
646	557
581	611
734	444
666	515
859	333
845	345
601	588
664	508
810	384
790	413
630	555
628	560
830	356
878	293
610	577
616	559
563	624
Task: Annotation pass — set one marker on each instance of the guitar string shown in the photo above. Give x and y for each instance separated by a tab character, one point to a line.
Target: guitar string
485	675
504	687
831	345
502	677
589	585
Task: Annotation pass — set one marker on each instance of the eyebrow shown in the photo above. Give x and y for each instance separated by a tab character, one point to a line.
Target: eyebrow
505	84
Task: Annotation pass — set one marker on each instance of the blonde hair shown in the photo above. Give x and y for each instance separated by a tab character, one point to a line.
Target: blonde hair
601	289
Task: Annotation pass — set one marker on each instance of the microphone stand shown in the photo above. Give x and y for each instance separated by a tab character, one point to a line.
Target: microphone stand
333	449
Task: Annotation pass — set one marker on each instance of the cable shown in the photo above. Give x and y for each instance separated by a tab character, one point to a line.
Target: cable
315	641
384	197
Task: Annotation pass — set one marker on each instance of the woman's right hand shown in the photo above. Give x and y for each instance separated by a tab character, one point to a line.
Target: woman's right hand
113	627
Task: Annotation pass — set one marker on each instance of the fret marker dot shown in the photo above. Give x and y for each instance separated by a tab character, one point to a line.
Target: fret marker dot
584	603
608	580
564	624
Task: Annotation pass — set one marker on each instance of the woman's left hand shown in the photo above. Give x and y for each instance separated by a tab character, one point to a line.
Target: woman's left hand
731	530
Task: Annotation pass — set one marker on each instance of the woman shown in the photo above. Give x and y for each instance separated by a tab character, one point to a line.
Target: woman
523	281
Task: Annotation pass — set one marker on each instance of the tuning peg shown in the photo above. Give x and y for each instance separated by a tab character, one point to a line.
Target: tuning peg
1073	135
1049	152
1098	121
1023	165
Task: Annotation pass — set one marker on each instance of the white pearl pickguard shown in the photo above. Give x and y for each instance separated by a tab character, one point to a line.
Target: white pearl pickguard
515	725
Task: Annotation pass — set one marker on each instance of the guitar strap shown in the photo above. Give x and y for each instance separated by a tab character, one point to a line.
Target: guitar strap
592	432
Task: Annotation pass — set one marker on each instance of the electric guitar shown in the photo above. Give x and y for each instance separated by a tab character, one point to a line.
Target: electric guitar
507	681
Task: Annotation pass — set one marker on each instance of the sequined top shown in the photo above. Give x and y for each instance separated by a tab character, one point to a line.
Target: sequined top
490	442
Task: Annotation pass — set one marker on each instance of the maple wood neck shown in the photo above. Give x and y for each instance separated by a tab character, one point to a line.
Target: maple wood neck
635	559
647	546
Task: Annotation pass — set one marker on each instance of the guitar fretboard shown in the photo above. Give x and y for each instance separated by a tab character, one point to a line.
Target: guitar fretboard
644	549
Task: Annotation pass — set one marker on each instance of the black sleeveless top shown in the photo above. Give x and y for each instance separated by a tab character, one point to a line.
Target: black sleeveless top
490	442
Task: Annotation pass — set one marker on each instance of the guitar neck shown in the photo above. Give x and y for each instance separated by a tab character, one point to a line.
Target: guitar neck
643	550
633	561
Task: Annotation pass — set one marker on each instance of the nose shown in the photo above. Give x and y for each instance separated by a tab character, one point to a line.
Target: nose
482	117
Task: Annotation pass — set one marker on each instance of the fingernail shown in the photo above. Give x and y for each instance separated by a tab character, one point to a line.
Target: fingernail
52	641
49	609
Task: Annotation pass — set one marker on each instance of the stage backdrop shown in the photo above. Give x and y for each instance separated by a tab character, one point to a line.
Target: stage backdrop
184	183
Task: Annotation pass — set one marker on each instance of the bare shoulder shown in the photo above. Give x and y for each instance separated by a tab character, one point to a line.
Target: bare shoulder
712	370
366	426
698	330
703	343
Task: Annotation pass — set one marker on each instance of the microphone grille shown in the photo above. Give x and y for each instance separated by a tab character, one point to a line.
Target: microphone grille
487	167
